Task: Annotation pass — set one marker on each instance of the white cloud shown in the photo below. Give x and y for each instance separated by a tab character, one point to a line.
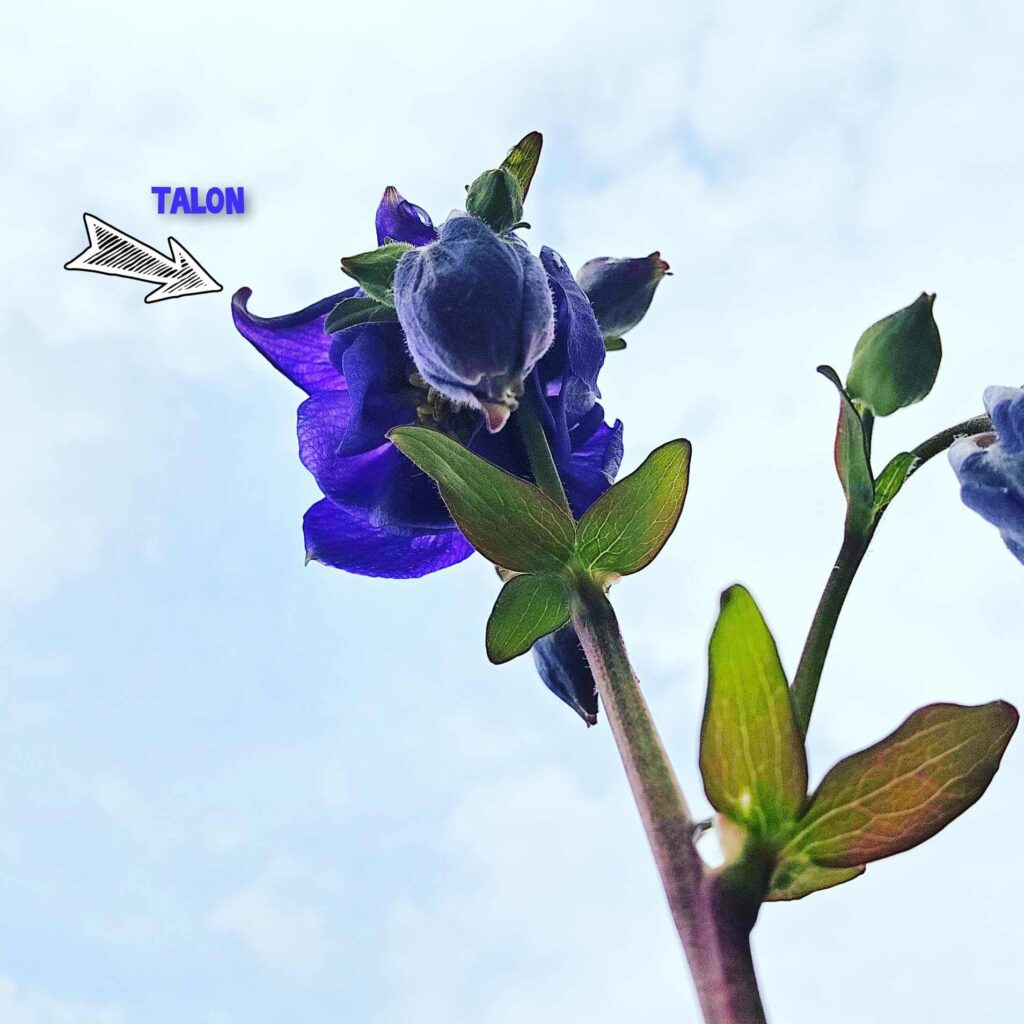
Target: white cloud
805	168
19	1005
274	926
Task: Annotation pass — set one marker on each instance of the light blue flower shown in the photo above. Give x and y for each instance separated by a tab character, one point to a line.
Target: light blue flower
990	467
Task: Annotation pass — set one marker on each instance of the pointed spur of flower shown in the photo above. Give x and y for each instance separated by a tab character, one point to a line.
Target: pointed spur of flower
477	314
398	220
562	665
990	467
621	290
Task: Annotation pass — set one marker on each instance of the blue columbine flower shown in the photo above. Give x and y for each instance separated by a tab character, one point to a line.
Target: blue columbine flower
380	515
477	314
990	467
621	290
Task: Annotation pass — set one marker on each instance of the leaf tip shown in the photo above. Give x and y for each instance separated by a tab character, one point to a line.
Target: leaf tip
1008	714
730	594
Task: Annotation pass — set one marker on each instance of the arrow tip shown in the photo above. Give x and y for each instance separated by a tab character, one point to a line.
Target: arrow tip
190	277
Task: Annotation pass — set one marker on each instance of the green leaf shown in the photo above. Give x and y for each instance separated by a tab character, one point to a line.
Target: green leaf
527	608
853	462
897	360
751	751
892	478
629	524
374	271
510	522
357	310
497	199
907	787
522	160
795	878
614	344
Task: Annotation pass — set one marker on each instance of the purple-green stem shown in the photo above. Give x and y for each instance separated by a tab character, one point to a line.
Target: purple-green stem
714	921
714	918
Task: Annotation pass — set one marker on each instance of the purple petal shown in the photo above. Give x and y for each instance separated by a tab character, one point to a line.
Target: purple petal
1002	506
1016	545
381	485
577	334
402	221
593	467
296	343
964	452
341	538
409	501
1006	407
353	480
376	369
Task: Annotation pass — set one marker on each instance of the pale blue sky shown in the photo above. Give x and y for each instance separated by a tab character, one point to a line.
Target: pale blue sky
234	790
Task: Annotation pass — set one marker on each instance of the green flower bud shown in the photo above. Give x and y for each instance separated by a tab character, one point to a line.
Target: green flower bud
896	360
496	197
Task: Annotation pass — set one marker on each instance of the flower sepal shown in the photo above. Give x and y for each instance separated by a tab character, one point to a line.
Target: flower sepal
374	271
358	310
496	198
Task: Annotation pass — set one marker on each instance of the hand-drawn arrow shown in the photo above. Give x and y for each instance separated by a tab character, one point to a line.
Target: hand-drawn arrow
112	251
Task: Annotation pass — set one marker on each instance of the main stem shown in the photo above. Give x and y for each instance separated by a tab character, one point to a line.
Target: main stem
714	927
851	554
713	924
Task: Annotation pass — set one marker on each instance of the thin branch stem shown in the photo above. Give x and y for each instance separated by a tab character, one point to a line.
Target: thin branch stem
944	438
713	924
823	627
851	554
539	451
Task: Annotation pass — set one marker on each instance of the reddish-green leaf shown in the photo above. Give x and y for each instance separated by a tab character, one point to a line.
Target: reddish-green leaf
751	751
853	463
510	522
527	608
905	788
628	525
794	878
892	479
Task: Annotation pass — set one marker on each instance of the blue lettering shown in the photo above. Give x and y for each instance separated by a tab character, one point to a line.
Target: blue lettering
235	200
161	192
188	199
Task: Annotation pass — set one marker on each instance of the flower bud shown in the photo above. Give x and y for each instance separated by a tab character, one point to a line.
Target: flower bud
896	360
621	290
398	220
496	197
990	467
477	314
